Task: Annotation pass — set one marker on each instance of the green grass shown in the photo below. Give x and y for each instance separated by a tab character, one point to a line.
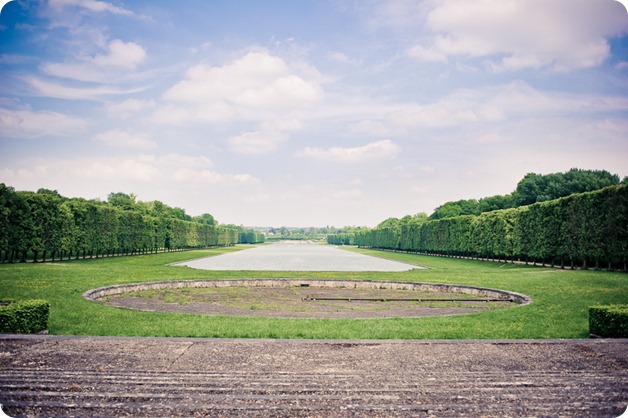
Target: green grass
559	310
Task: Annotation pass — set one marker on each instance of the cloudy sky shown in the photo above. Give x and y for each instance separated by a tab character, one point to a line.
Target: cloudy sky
309	112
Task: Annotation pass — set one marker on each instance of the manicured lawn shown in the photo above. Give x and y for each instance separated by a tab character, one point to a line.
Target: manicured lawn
559	310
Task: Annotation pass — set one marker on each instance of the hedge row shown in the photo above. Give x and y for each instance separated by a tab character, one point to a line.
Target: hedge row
38	225
583	229
24	317
609	321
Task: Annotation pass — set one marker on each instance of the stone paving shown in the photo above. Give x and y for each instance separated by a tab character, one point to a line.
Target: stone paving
147	377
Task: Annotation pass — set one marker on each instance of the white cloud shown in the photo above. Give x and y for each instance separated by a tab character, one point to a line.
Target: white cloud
341	57
266	139
31	124
60	91
168	171
92	5
481	107
427	54
80	71
349	194
374	151
122	139
103	68
559	34
260	142
129	169
120	54
253	87
128	107
190	176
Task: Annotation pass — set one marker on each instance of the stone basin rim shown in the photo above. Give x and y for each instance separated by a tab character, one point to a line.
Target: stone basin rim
95	295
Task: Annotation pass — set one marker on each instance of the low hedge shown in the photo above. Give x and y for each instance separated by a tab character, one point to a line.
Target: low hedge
609	321
23	317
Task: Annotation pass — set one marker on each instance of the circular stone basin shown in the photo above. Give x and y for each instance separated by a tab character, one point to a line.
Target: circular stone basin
306	298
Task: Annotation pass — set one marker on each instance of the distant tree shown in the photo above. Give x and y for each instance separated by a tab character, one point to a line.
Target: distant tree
497	202
122	200
50	192
179	213
389	223
457	208
535	188
416	219
205	219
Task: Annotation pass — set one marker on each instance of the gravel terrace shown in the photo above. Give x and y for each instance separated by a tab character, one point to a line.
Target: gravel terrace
49	376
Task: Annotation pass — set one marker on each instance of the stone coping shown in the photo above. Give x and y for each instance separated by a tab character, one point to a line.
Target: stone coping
96	294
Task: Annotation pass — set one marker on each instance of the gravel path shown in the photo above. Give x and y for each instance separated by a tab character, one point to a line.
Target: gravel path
147	377
296	256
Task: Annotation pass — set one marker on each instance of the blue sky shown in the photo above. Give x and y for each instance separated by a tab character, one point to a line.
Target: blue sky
309	112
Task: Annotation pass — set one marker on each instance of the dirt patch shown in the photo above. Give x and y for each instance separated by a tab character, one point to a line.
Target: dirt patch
297	302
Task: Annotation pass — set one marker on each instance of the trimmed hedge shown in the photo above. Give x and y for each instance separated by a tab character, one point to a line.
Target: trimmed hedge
609	321
24	317
586	230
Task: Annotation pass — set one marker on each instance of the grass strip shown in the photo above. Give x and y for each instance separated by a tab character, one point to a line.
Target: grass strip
560	308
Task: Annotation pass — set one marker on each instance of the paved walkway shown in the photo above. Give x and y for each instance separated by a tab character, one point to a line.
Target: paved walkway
296	256
147	377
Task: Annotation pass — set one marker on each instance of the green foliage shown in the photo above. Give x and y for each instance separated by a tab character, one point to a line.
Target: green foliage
560	308
341	239
300	233
458	208
42	224
122	200
582	229
531	189
205	218
249	236
609	321
24	317
535	188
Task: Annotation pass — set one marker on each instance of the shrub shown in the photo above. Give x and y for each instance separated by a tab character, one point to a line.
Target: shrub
24	317
609	321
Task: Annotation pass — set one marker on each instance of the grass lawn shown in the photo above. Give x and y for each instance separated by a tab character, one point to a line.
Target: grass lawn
560	307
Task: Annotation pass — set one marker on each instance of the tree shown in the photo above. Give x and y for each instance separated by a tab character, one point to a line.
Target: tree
205	219
540	188
389	223
497	202
122	200
457	208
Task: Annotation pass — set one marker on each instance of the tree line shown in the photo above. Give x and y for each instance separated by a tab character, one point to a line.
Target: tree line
533	188
45	225
585	229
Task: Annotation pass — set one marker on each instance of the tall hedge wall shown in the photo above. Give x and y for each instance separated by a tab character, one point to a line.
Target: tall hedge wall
579	230
40	225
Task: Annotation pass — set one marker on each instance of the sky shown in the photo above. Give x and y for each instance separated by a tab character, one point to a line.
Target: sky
309	112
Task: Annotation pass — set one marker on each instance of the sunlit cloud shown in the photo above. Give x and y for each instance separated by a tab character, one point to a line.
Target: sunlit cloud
36	124
383	149
118	138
